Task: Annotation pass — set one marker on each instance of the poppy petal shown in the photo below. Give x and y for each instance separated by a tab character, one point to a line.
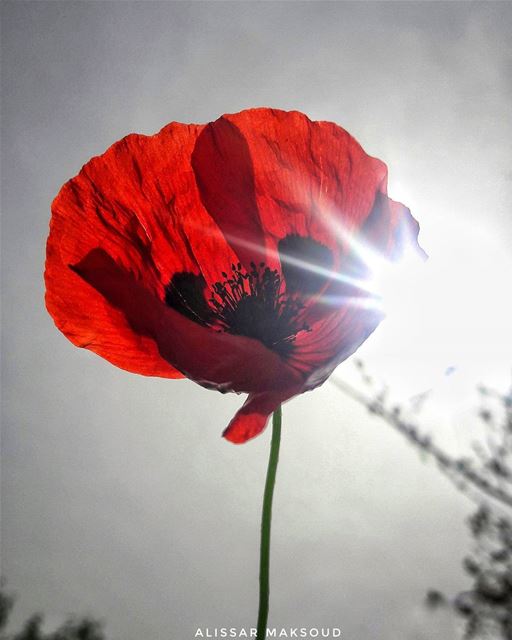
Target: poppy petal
252	418
224	173
211	358
332	340
139	203
311	179
88	320
390	229
388	232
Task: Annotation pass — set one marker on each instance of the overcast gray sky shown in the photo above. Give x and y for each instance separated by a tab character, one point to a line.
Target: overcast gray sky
119	497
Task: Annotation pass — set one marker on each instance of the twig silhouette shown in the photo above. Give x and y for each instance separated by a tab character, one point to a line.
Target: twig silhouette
462	472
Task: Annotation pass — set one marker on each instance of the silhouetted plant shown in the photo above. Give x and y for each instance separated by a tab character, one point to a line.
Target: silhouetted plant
486	477
487	474
73	629
487	606
6	604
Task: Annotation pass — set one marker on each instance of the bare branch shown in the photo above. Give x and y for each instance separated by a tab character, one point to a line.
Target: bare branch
461	472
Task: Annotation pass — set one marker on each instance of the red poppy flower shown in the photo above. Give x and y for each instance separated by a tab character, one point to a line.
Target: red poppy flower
227	253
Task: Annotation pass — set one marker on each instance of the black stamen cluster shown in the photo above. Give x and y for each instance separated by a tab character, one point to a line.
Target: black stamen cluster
253	304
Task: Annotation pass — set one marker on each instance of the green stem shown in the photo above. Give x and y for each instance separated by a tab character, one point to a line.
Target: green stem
266	519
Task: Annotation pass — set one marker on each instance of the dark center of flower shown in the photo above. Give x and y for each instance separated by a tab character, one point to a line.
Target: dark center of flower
259	303
185	293
246	303
305	263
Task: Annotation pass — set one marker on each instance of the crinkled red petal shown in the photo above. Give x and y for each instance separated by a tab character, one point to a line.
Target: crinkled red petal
139	203
252	418
387	232
390	229
332	340
211	358
297	177
224	172
89	320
